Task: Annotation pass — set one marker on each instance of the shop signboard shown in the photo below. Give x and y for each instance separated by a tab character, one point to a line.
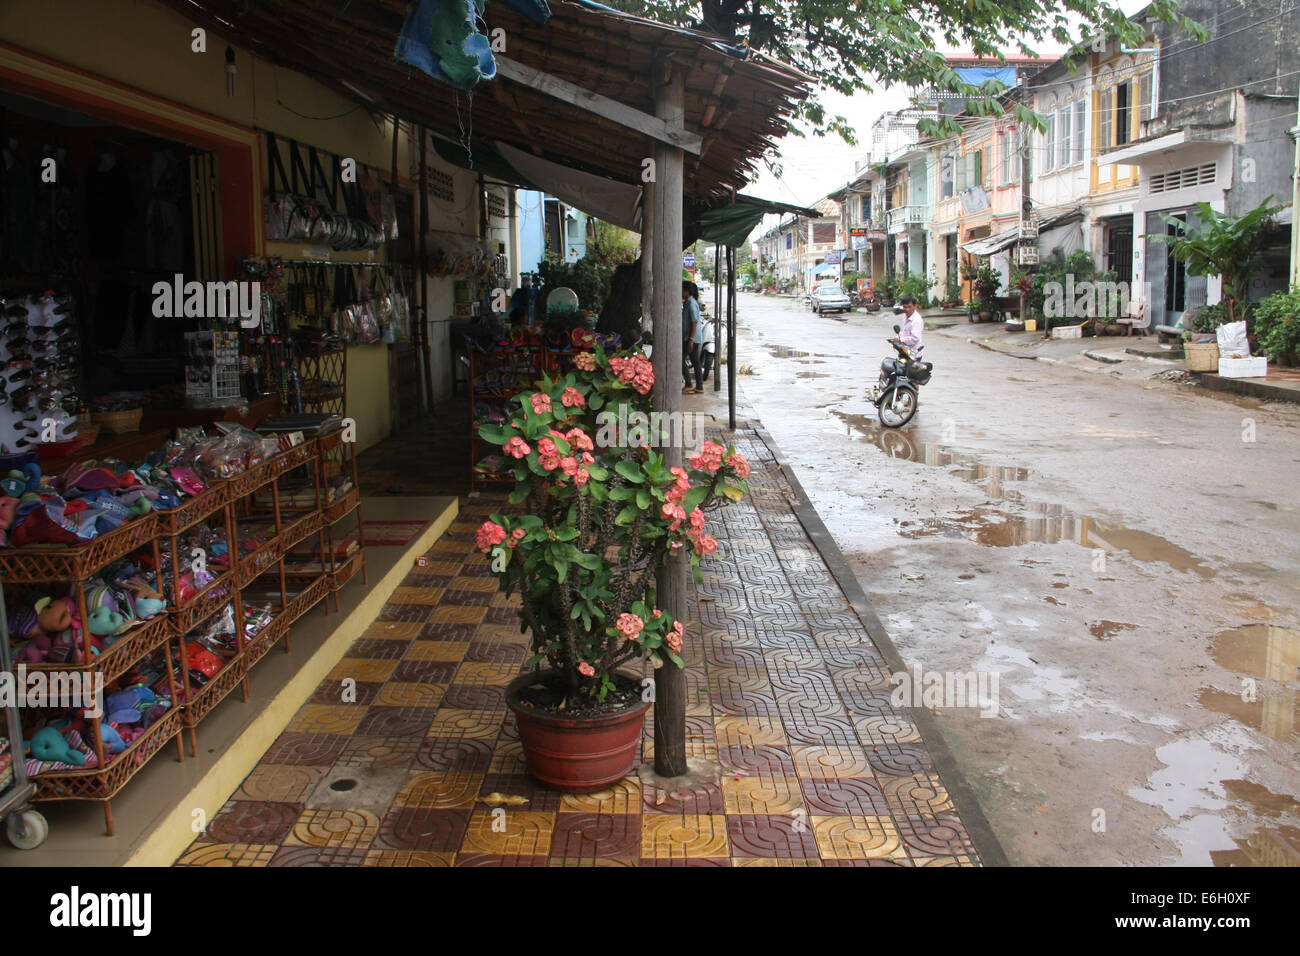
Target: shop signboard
858	238
688	261
834	258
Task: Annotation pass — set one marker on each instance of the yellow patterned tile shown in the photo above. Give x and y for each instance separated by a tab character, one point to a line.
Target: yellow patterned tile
457	614
326	719
921	793
502	633
279	783
344	829
228	854
393	630
439	790
445	546
591	861
396	694
962	860
832	762
670	837
622	797
734	679
479	724
409	858
509	833
857	838
416	596
508	758
748	732
436	650
506	600
696	746
474	582
363	669
498	673
771	861
762	795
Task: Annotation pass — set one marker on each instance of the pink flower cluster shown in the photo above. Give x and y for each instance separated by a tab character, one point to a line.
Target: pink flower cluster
572	398
489	535
586	670
585	361
636	371
580	440
709	457
541	402
674	512
674	637
629	625
517	447
737	462
548	455
516	536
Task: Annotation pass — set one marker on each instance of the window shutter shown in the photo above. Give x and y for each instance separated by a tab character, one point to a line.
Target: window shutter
1104	138
1080	112
1049	144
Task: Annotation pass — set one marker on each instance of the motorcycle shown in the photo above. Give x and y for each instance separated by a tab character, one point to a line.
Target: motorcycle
896	395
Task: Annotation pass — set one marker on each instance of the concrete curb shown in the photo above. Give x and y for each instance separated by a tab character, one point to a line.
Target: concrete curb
963	797
1098	357
1246	386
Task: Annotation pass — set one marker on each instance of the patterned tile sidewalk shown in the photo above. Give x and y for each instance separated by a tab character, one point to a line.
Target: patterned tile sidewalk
785	691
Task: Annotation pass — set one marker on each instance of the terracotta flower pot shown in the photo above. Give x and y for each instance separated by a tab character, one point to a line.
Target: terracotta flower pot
577	754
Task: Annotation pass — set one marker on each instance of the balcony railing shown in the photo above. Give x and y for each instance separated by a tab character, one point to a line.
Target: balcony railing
904	216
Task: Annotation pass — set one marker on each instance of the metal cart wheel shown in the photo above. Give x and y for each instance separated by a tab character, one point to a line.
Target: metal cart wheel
27	829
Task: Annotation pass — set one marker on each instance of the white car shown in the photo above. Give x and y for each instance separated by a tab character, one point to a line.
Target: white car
830	298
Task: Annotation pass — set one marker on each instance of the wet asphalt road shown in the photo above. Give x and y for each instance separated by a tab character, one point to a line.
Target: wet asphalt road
1121	552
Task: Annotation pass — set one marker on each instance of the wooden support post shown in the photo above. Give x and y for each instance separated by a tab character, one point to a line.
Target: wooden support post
648	256
666	242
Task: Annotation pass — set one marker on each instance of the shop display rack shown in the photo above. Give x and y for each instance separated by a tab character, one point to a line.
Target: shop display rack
255	499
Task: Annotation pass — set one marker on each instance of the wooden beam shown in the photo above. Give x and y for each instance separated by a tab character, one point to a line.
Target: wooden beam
612	110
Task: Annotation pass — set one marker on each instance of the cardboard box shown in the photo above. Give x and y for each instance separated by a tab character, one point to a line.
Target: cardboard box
1243	367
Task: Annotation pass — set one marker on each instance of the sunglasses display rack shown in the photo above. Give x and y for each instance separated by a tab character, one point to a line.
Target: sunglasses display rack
39	371
264	514
212	373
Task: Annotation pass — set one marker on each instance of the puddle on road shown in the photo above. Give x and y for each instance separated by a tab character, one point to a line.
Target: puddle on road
1271	846
1259	653
784	351
1103	630
1037	522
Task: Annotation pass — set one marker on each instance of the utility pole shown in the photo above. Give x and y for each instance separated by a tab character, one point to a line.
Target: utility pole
1294	133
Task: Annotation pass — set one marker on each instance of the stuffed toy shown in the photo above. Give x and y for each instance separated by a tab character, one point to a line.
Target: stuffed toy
48	744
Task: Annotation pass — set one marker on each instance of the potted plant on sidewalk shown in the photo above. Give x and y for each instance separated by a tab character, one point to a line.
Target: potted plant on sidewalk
886	289
601	514
987	282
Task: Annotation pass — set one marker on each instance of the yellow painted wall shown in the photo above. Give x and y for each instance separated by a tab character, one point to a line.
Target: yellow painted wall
149	47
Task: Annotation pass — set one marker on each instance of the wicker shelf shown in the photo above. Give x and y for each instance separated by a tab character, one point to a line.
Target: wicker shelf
103	782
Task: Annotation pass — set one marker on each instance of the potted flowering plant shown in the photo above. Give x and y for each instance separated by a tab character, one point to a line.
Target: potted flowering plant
602	513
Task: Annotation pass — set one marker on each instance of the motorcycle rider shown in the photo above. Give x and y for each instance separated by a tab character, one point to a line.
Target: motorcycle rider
912	328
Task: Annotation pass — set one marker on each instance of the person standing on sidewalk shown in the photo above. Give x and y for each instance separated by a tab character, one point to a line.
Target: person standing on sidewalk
706	355
691	322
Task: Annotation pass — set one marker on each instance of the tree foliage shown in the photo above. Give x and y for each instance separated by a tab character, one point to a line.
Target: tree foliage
854	46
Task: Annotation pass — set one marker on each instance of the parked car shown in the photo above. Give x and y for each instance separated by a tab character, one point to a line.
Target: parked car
830	298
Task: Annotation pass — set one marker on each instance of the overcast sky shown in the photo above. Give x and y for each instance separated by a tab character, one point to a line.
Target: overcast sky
813	166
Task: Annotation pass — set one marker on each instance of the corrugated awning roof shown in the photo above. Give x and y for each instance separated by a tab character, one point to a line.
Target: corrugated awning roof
737	100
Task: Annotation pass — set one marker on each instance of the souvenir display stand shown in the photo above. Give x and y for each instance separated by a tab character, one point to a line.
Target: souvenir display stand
260	520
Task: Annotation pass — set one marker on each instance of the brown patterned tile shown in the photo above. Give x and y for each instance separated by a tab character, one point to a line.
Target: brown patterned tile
411	671
767	760
497	859
844	797
452	651
398	694
393	630
520	785
475	697
360	693
458	614
461	755
374	753
317	750
396	721
379	649
590	834
443	631
252	822
405	858
703	800
934	836
903	760
423	828
319	856
407	612
621	798
782	836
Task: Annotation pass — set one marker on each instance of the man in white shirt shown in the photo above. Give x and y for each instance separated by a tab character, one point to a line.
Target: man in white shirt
912	326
